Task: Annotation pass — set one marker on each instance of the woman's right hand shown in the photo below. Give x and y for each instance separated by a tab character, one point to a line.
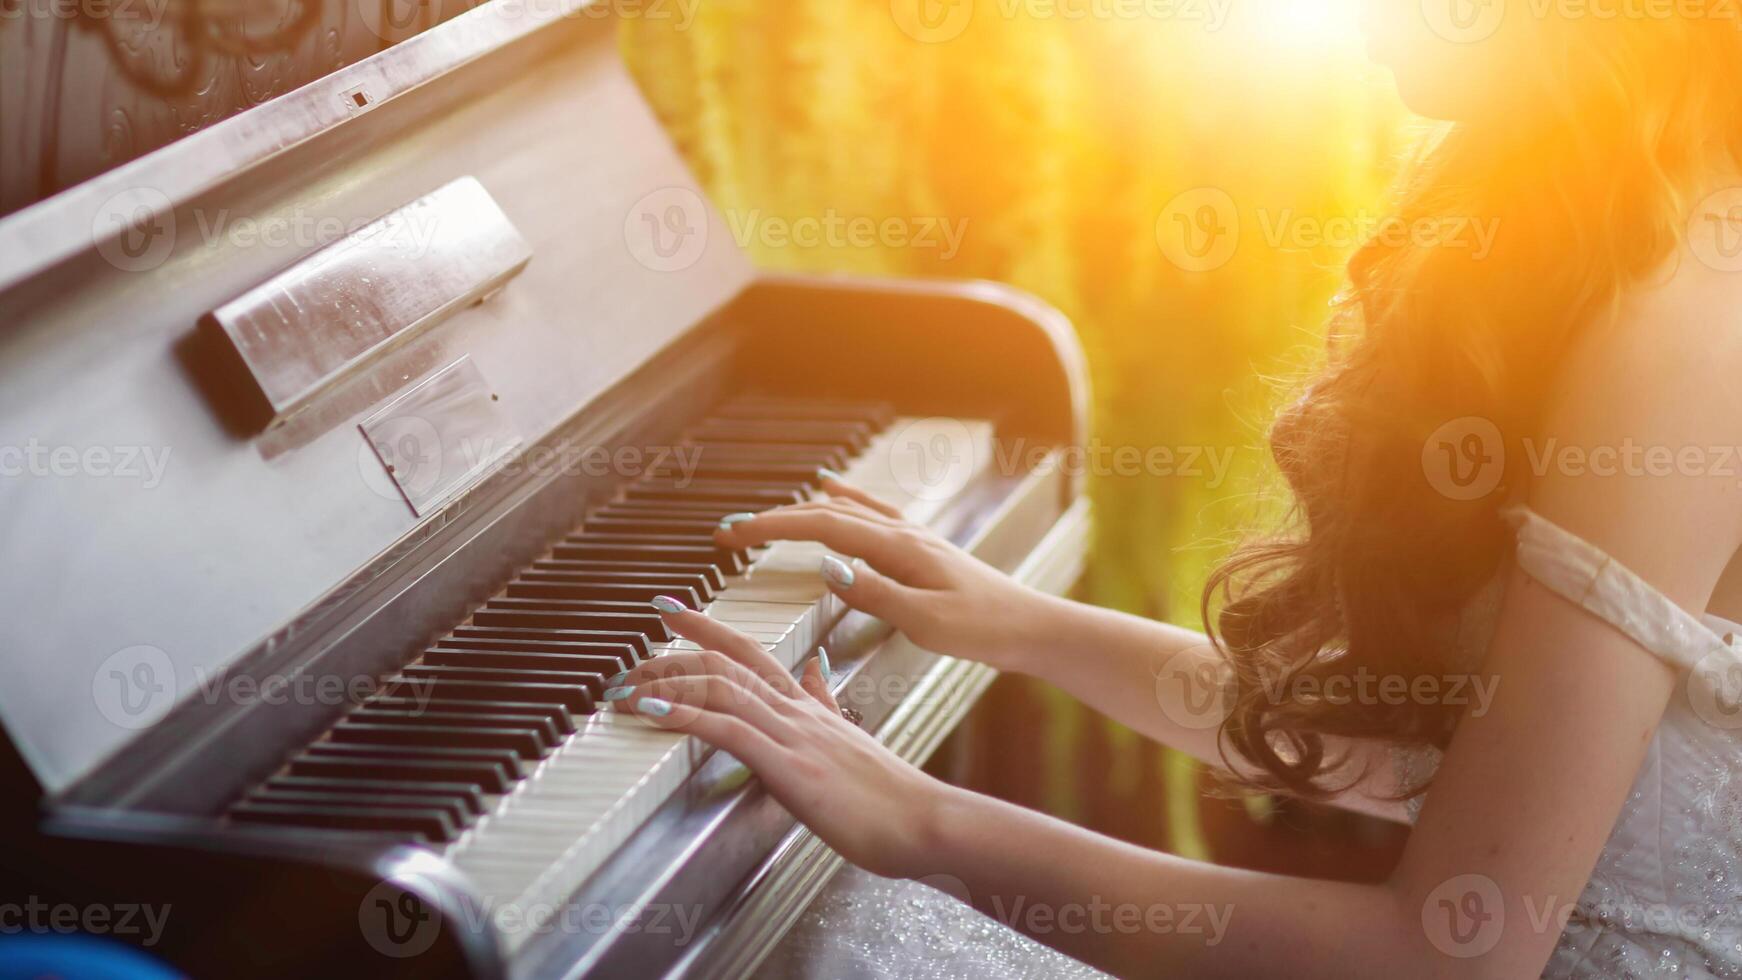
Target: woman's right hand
943	598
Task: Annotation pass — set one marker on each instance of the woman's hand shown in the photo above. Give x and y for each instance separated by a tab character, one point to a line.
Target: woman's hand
874	809
943	598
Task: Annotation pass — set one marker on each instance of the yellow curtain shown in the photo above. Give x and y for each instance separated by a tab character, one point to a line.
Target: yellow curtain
1185	190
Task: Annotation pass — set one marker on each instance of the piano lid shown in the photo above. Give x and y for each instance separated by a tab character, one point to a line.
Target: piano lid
148	538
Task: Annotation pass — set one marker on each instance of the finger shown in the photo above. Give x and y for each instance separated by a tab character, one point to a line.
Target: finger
715	635
716	694
685	663
891	548
816	678
842	505
727	733
868	590
836	486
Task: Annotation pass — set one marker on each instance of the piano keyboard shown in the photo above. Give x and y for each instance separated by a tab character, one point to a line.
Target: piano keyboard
493	745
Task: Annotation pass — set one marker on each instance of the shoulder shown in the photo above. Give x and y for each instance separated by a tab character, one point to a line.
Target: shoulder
1682	324
1638	447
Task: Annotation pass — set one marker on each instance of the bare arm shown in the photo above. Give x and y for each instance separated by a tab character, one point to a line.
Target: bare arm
1160	680
1523	803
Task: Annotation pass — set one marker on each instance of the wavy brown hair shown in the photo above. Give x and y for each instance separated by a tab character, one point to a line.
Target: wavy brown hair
1589	193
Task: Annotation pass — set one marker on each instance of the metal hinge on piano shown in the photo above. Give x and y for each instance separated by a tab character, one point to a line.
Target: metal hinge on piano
327	684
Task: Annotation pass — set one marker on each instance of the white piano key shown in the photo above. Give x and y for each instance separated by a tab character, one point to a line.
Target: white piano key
541	841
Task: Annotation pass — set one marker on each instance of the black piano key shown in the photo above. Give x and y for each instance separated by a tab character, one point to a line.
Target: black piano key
692	527
740	497
573	663
521	743
622	655
875	414
575	549
716	579
504	763
431	824
456	811
573	698
615	591
462	797
580	639
555	714
543	732
702	539
609	606
796	473
810	454
539	614
678	510
591	683
696	584
483	776
854	436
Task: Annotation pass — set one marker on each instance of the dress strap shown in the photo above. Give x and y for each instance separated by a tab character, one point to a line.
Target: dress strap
1584	574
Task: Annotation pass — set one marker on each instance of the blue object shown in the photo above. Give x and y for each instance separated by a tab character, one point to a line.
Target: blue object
39	956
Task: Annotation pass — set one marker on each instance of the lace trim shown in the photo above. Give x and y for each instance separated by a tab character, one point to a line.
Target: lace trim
1584	574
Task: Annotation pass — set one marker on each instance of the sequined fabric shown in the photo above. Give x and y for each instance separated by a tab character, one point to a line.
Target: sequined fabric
865	926
1665	899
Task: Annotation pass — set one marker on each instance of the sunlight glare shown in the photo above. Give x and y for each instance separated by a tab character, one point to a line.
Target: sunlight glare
1315	24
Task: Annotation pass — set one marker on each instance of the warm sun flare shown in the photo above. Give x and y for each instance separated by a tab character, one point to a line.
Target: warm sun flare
1308	23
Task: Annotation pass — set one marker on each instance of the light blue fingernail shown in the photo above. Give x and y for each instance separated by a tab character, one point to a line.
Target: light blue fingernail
823	662
825	474
838	572
731	519
619	693
667	604
617	679
657	707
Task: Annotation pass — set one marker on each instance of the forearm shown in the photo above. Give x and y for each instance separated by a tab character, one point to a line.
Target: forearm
1135	912
1111	661
1164	682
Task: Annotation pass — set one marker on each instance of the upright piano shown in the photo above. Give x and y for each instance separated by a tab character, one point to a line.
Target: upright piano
342	445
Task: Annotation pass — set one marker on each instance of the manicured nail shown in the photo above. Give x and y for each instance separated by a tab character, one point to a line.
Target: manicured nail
731	519
657	707
823	663
838	572
617	679
619	693
666	604
825	474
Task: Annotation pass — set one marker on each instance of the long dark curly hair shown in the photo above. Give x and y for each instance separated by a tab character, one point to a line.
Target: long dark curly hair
1590	190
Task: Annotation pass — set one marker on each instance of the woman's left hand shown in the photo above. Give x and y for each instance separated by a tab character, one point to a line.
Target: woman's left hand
874	809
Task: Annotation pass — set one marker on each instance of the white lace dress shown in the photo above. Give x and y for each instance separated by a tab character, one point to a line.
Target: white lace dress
1665	899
